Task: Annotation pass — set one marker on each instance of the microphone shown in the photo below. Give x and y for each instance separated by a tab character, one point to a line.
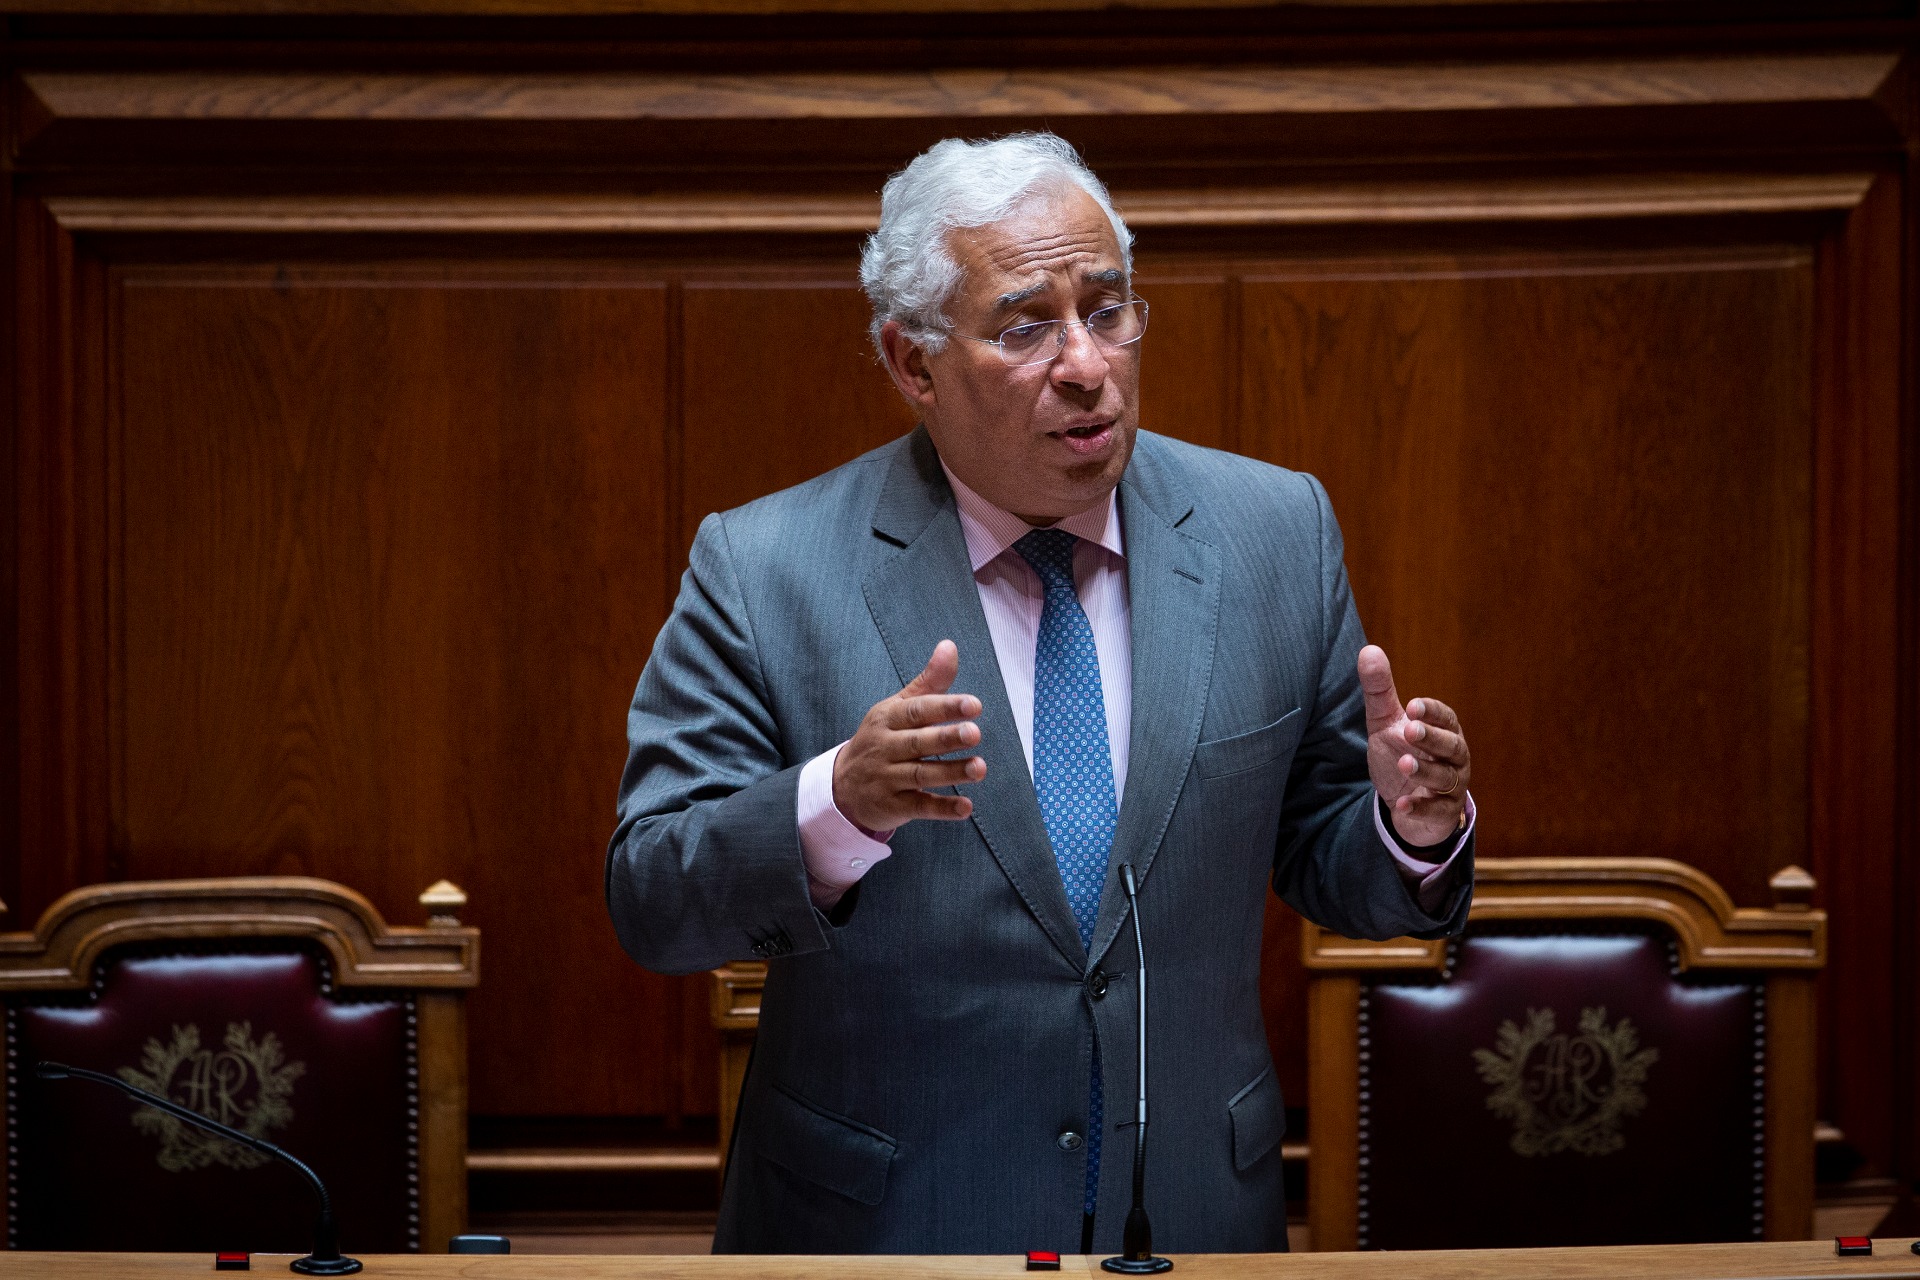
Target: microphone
1136	1242
325	1260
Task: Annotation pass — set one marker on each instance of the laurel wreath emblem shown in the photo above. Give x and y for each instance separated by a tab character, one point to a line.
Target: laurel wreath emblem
1566	1093
215	1084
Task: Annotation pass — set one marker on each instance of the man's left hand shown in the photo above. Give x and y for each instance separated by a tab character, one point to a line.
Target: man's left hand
1417	755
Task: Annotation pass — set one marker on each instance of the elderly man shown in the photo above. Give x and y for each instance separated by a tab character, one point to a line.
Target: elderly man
908	719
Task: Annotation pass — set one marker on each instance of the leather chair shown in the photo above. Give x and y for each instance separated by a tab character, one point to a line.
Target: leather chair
283	1006
1611	1053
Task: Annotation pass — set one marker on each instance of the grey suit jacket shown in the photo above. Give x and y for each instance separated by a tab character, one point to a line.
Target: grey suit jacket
921	1053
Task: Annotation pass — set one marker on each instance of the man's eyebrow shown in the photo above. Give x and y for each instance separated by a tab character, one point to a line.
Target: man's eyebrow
1008	301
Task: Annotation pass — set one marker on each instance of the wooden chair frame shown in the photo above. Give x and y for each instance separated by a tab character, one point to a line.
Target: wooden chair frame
436	964
1787	943
736	1016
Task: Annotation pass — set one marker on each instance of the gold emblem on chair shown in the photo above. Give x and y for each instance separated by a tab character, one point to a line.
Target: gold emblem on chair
1566	1092
245	1085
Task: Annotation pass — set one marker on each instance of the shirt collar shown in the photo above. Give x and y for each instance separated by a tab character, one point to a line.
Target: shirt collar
990	531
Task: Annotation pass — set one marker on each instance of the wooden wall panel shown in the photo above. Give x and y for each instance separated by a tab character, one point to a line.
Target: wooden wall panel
1577	504
1858	819
1190	356
389	562
64	835
781	385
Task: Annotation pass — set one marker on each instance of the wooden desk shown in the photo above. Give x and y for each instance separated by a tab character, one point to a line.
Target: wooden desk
1787	1260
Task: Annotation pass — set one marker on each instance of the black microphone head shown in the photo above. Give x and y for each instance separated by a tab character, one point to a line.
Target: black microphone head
1126	876
52	1070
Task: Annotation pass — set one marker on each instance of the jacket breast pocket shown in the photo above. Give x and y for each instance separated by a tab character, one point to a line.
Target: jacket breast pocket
1259	1120
839	1154
1243	751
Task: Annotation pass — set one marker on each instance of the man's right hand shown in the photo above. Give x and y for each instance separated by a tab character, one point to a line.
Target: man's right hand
881	777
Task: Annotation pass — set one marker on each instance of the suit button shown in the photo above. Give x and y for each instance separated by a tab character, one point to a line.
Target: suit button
1069	1141
1097	985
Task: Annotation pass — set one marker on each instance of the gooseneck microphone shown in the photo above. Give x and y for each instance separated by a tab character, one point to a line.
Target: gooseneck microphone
325	1260
1136	1241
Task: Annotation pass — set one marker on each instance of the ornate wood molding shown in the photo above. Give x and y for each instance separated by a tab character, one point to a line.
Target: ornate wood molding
1711	931
367	952
736	995
1303	205
653	1160
959	93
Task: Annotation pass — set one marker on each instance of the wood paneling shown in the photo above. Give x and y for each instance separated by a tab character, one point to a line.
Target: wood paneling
1576	502
851	124
60	497
1859	833
1188	382
781	385
390	559
1298	204
1532	84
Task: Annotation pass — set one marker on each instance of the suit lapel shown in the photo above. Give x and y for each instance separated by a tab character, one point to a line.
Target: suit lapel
926	594
1173	581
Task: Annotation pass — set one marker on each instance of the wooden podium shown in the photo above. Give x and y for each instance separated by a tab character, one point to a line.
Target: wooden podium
1782	1260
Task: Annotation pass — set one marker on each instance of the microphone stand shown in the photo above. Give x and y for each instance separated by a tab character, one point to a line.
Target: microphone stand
325	1260
1137	1258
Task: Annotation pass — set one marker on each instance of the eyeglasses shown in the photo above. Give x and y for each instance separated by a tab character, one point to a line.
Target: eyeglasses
1041	342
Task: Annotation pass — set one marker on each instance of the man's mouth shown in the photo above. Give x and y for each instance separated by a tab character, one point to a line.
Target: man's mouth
1088	439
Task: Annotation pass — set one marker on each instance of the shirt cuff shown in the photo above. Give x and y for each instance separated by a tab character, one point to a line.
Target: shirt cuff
837	852
1428	881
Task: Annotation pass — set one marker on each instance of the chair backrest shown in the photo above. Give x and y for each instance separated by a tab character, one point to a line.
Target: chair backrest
1610	1053
282	1006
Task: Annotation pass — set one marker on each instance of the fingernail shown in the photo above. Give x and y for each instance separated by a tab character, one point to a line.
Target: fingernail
1416	707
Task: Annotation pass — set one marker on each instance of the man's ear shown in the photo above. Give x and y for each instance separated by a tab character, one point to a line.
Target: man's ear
907	365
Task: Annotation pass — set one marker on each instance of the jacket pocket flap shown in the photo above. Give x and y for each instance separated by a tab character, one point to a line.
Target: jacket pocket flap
1259	1120
1249	750
836	1153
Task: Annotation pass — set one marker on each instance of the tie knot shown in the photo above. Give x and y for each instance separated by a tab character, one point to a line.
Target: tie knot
1050	552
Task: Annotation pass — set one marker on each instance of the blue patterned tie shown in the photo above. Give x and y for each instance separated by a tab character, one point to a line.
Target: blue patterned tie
1072	767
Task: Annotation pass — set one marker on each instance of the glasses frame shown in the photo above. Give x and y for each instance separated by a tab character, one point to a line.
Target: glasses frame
1061	327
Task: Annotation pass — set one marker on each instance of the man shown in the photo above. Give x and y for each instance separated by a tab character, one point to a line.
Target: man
909	718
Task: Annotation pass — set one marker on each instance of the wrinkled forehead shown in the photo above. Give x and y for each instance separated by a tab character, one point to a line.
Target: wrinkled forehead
1049	240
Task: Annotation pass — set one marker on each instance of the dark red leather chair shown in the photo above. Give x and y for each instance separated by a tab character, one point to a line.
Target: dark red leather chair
1611	1053
285	1007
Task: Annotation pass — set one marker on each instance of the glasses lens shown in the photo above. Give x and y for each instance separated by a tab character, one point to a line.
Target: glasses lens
1030	343
1117	326
1038	343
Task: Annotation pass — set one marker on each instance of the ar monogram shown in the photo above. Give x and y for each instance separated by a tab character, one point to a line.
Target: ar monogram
245	1084
1566	1092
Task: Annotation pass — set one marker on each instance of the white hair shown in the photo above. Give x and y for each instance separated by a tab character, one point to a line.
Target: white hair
906	268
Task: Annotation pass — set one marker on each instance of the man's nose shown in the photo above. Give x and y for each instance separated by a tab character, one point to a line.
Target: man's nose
1080	363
